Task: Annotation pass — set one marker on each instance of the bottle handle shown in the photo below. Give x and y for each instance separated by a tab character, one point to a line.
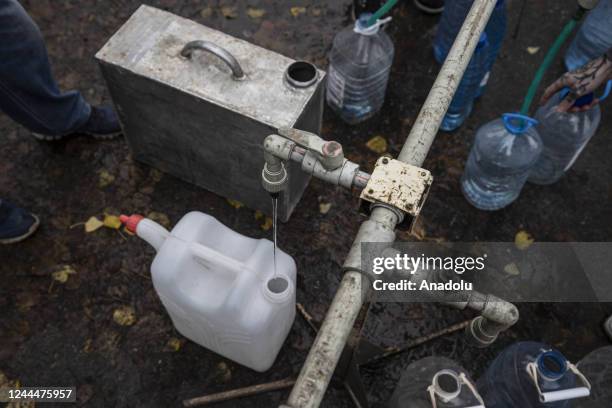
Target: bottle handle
465	380
560	395
524	122
209	255
565	91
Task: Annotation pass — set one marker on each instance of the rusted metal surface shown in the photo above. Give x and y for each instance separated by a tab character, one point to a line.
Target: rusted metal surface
399	185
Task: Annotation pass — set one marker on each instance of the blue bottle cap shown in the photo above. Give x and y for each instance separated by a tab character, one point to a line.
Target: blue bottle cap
552	365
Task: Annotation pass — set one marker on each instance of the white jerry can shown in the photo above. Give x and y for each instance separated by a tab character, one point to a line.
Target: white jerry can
220	287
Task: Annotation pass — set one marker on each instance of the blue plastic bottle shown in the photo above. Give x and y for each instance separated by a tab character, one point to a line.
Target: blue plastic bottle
564	136
450	23
435	378
504	152
463	101
594	37
510	381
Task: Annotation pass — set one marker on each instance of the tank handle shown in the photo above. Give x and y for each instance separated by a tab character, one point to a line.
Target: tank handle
561	395
222	53
210	256
524	122
465	380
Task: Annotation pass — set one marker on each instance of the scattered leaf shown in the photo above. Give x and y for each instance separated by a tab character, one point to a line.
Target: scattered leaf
93	224
259	215
223	372
296	11
88	346
174	344
324	207
159	218
533	50
512	269
235	203
377	144
63	273
229	12
315	11
206	12
523	240
267	224
124	316
105	178
112	221
255	12
156	175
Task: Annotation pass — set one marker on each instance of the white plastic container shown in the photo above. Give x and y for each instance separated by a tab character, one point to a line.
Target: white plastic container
219	287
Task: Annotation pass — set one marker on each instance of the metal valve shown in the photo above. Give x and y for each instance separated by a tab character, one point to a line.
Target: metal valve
329	153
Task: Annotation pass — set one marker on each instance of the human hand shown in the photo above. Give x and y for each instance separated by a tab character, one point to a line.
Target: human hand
581	81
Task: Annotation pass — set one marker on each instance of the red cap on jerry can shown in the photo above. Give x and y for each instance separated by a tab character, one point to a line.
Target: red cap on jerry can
131	222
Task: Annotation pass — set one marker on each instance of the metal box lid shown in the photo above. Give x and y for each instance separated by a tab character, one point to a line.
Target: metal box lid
149	44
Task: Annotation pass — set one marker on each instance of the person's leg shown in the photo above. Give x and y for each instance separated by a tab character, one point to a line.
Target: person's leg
28	91
16	224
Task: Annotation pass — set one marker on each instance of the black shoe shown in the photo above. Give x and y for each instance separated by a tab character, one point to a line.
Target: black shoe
430	6
16	224
103	123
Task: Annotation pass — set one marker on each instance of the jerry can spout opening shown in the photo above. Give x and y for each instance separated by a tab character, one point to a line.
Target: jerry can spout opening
146	229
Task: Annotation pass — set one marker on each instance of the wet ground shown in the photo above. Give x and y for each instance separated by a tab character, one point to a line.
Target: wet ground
54	333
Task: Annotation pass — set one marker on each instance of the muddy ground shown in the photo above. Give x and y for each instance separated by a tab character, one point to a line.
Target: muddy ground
54	333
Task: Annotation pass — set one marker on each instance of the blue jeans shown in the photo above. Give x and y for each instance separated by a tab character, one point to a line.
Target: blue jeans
28	91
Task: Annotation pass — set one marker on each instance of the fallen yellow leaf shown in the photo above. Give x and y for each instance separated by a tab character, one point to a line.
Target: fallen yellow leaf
533	50
259	215
62	275
159	218
88	346
124	316
93	224
235	203
206	12
112	221
267	224
296	11
174	344
512	269
255	12
229	12
105	178
223	372
324	207
377	144
523	240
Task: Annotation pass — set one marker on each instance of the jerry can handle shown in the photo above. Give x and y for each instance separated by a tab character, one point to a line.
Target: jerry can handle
211	256
517	123
222	53
560	395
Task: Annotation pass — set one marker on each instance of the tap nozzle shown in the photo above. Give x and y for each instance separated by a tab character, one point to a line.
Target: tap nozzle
274	178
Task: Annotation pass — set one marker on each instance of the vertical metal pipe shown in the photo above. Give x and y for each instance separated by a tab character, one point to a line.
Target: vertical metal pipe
325	352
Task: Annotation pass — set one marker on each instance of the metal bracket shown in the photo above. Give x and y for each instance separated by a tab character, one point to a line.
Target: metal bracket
329	153
399	185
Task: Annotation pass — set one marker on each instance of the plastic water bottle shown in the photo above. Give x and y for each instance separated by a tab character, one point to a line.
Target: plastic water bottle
504	152
564	136
359	68
531	375
450	23
220	288
597	368
463	101
435	382
594	37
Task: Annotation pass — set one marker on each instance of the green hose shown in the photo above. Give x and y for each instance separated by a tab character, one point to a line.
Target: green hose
550	56
382	11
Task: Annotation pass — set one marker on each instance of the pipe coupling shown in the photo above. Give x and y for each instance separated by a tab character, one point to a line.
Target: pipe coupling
274	178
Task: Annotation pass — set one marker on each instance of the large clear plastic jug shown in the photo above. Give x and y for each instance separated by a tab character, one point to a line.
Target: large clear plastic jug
463	101
531	375
564	136
220	287
435	382
360	63
594	37
597	368
504	152
450	23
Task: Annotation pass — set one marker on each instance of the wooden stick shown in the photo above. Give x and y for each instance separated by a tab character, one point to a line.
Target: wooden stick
239	393
391	351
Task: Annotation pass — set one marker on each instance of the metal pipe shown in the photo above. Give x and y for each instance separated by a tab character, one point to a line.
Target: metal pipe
325	352
347	175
